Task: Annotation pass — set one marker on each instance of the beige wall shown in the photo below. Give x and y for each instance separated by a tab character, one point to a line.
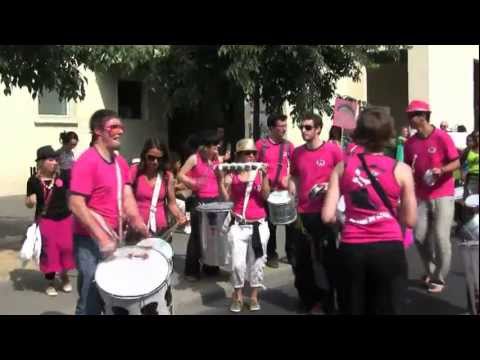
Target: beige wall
23	131
443	75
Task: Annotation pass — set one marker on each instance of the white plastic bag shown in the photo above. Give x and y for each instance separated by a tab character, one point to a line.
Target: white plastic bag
32	246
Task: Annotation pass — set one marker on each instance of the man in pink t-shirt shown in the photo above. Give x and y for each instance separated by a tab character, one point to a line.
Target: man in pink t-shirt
275	151
315	244
94	203
433	157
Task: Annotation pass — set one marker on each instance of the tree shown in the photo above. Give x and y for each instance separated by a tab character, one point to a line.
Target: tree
58	67
305	76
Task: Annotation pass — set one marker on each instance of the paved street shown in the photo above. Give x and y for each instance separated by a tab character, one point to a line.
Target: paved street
22	290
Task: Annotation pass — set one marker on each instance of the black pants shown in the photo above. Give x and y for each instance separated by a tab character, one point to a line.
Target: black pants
272	242
372	277
314	272
194	248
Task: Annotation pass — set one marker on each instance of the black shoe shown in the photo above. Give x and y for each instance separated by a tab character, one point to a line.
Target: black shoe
210	270
273	263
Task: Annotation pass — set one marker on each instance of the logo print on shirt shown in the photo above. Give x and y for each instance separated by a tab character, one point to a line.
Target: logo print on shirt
320	162
432	150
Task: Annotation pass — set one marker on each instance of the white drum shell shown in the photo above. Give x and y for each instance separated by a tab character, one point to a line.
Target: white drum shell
116	295
212	237
281	208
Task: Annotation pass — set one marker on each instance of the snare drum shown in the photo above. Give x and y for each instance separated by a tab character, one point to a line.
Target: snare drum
281	208
135	281
212	237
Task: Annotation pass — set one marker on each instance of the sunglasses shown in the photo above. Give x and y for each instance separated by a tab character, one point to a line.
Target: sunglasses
306	127
413	114
248	153
153	158
115	127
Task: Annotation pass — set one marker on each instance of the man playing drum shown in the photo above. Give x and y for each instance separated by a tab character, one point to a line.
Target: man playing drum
315	242
276	151
248	235
100	195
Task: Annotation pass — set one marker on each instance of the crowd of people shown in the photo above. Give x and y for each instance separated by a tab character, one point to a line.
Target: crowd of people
349	262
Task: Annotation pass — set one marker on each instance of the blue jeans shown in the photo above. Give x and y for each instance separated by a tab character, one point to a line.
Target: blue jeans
87	256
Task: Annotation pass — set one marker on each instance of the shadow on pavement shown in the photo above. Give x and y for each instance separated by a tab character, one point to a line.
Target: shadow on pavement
53	313
419	302
279	298
26	279
207	286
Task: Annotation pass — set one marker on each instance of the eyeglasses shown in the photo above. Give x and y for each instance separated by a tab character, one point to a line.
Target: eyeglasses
153	158
306	127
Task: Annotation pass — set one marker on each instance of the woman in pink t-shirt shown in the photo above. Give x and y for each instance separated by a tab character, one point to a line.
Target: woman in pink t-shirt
372	264
198	175
153	168
248	235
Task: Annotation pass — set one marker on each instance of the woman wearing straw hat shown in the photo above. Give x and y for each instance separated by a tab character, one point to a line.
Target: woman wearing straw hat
47	192
249	233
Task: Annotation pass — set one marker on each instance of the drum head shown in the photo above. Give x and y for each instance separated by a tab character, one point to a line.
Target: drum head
279	197
472	201
215	207
121	276
158	244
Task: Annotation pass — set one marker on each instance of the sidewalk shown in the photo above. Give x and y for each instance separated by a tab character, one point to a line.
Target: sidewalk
22	289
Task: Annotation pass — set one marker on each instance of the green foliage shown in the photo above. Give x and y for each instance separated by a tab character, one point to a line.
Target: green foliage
303	75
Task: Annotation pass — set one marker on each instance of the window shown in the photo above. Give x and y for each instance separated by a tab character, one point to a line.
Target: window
130	99
49	104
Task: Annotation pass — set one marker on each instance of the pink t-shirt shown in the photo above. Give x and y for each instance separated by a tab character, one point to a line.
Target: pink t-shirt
144	193
255	206
434	151
96	179
205	176
353	149
367	219
313	167
269	152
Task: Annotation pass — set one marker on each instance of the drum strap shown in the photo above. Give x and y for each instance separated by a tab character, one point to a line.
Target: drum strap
119	201
279	164
152	221
256	242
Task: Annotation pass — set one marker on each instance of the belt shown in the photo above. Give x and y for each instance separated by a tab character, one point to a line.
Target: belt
241	221
256	242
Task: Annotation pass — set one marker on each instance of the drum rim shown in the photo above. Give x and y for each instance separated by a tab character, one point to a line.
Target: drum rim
285	223
152	248
135	297
230	205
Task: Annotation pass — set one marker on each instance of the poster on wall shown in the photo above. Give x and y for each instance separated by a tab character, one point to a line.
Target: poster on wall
345	114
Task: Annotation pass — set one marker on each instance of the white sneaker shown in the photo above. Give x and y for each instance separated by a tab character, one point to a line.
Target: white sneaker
67	287
51	291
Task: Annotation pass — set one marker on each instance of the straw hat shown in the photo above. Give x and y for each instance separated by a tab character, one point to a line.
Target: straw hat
245	145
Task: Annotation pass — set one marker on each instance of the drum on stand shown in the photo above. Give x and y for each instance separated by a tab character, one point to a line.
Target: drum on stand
136	281
281	208
213	238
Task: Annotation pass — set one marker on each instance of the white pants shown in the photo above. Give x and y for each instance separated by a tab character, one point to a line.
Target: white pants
244	264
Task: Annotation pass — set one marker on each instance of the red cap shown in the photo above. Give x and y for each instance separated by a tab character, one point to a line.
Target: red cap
418	105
